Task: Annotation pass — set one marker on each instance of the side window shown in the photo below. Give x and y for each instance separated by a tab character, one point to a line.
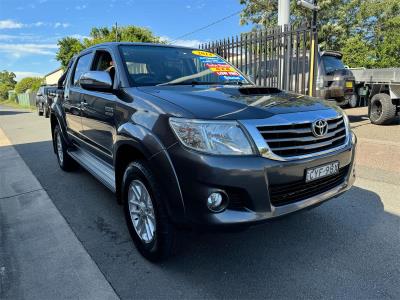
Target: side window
82	66
104	62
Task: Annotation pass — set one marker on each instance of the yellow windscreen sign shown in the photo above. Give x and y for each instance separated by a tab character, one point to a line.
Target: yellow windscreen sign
203	53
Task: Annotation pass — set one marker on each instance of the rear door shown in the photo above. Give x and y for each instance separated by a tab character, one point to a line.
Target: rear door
73	94
98	126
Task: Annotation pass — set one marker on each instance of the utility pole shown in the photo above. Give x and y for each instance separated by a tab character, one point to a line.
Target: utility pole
283	22
283	12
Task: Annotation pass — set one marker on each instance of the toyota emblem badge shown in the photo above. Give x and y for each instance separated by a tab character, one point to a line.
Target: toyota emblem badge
320	128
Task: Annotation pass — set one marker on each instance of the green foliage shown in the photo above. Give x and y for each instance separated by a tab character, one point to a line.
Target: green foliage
28	83
357	53
7	83
68	47
71	46
366	31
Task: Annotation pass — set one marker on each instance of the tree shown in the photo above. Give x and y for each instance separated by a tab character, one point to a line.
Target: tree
7	83
357	53
68	47
71	46
264	14
28	83
366	31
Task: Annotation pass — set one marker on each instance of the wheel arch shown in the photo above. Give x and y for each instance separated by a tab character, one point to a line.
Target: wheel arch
56	119
134	142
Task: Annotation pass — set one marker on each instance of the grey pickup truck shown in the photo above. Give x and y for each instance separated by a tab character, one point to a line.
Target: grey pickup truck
186	140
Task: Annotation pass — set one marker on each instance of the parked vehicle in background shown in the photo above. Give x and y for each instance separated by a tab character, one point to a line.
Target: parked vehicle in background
185	139
44	98
334	81
380	88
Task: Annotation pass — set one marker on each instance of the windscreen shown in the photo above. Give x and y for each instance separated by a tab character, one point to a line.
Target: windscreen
332	63
155	65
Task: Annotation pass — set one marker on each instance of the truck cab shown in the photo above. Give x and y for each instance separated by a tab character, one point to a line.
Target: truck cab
334	80
183	138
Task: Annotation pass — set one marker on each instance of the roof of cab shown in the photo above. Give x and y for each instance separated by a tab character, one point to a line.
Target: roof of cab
116	44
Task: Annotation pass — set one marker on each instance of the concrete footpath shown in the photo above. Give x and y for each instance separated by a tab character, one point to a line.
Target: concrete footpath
40	256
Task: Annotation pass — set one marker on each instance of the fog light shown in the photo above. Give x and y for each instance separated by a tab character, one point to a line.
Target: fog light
215	202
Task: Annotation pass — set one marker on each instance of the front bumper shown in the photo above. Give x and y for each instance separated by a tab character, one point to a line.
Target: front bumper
246	181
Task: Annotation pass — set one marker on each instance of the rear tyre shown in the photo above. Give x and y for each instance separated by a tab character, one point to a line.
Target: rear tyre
65	161
144	206
382	110
39	112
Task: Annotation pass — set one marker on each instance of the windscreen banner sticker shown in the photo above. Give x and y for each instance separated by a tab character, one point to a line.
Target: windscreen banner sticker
203	53
219	67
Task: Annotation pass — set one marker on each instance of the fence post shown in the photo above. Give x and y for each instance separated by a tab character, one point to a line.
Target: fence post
314	53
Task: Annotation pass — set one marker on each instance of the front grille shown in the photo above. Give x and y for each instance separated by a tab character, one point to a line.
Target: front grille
298	139
282	194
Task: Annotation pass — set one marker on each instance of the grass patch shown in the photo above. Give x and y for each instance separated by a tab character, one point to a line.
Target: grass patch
11	103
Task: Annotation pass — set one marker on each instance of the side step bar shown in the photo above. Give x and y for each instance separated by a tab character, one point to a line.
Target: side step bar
100	169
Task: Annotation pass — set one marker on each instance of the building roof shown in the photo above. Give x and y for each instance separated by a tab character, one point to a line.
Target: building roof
52	72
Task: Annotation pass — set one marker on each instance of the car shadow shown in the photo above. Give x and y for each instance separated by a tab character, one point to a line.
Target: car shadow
12	112
293	255
358	118
336	249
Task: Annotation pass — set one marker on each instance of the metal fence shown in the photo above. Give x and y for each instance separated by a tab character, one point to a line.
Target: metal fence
276	57
26	99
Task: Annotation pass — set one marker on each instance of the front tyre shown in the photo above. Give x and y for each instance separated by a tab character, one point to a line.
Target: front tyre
150	229
65	161
39	112
46	111
353	101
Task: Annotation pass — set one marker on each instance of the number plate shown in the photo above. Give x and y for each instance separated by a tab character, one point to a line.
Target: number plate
349	84
322	171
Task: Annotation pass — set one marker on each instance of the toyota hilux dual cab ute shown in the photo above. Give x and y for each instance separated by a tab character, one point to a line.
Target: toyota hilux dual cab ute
185	139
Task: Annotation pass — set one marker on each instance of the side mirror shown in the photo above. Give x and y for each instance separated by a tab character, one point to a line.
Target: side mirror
39	94
96	81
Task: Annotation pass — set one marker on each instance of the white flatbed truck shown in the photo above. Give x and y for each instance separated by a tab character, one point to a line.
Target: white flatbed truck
381	88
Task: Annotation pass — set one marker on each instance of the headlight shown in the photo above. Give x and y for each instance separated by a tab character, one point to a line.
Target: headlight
214	137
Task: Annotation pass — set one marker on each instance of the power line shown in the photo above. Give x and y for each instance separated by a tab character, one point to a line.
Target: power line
205	27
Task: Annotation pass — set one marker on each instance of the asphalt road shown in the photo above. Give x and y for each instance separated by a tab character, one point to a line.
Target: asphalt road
346	248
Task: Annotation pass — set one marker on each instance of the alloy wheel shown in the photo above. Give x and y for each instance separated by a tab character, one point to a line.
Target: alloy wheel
141	211
60	149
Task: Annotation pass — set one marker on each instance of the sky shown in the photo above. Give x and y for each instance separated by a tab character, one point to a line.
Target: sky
29	29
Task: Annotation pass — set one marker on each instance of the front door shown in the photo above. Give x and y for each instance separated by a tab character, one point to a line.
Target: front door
73	94
98	110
